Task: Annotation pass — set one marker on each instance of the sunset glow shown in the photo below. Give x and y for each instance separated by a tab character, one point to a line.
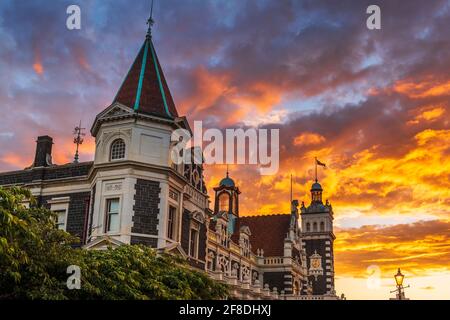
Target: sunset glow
375	107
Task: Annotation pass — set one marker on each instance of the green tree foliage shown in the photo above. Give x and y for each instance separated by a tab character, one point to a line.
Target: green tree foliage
34	256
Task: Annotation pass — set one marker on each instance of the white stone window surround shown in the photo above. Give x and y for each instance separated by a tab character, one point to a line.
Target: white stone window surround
112	189
178	214
106	136
109	213
109	138
60	204
194	226
117	149
174	224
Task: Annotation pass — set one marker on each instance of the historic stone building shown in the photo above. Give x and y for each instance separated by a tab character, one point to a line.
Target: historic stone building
132	193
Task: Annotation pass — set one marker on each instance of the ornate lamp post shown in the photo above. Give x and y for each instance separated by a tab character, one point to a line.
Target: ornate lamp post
400	288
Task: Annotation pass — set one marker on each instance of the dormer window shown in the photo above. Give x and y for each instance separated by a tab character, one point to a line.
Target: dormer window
117	150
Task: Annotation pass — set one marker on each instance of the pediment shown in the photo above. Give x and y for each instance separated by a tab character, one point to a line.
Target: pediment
246	230
115	110
174	248
102	243
198	216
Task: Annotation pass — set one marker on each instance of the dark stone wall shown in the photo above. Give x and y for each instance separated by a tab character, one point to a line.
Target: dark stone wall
45	174
275	279
319	285
202	242
151	242
76	216
146	201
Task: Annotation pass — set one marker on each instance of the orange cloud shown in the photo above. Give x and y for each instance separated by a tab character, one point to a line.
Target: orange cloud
38	68
64	150
259	95
213	90
419	248
16	160
429	114
37	65
308	138
428	87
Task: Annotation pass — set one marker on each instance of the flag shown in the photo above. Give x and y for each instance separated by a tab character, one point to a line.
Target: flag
320	163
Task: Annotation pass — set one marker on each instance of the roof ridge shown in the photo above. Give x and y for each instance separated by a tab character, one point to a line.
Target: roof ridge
266	215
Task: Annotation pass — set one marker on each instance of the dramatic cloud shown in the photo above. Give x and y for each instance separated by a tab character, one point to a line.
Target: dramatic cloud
420	248
373	105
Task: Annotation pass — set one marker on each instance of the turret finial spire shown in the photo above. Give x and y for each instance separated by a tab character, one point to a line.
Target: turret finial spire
150	22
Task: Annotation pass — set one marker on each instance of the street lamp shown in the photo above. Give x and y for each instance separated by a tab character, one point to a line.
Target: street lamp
399	278
399	281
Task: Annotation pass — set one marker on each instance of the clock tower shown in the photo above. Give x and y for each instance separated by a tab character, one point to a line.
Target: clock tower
318	238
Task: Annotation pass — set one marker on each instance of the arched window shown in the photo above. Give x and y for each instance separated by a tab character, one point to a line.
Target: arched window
315	226
117	150
308	227
316	196
322	226
224	202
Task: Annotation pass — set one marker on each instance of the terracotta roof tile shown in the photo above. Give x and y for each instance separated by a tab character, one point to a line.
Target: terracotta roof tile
152	100
268	232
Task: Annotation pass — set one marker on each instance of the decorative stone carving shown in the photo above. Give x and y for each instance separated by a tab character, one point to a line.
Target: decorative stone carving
197	215
116	186
315	265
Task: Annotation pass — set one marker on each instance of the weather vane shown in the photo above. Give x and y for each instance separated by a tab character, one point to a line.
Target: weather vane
78	132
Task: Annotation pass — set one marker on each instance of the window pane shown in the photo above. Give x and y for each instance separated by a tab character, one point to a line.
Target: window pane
113	206
193	244
114	222
112	215
171	223
60	219
118	149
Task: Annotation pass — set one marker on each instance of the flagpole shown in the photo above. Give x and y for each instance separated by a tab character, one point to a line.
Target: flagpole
316	166
291	187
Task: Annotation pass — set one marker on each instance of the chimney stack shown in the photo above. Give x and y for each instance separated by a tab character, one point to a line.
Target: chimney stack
43	157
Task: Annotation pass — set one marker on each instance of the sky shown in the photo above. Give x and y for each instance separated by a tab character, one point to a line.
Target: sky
372	104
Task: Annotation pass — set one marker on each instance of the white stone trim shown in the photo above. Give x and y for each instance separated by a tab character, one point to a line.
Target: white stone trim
60	204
